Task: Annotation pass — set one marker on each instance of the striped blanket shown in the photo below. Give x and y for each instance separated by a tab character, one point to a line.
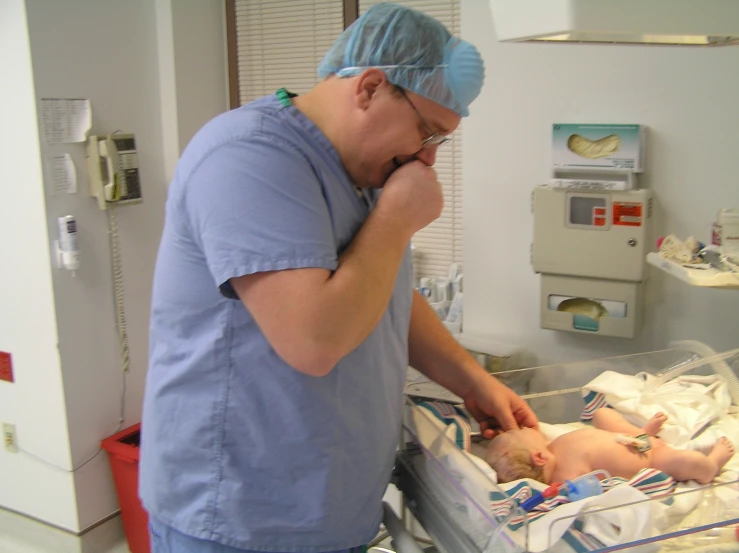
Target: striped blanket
652	482
451	414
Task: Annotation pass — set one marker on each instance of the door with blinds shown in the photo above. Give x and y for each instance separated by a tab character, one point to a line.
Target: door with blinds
440	244
280	43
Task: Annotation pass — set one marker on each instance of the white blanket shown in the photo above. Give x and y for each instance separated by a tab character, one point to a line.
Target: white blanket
699	412
690	402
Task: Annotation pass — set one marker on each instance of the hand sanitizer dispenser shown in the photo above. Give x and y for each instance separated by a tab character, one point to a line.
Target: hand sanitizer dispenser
590	247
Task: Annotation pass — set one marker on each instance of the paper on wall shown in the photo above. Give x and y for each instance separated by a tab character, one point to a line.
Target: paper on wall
65	119
64	174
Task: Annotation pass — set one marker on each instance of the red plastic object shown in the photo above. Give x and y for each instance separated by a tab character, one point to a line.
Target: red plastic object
123	451
6	366
552	490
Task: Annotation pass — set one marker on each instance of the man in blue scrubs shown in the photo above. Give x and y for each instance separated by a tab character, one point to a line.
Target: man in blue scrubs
283	314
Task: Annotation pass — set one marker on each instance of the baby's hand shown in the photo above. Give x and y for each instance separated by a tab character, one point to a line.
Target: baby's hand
654	424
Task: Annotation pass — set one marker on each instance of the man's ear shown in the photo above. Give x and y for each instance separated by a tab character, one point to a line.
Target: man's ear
368	84
539	458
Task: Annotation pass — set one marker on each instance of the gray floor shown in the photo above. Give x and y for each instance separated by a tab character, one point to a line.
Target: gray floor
20	534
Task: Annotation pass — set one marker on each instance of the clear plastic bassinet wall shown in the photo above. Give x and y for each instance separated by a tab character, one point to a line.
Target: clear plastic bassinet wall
451	493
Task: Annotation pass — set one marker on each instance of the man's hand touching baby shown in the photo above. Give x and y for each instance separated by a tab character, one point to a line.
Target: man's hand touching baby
498	409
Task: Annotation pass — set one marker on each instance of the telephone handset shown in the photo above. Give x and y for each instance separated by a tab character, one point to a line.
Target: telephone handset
113	168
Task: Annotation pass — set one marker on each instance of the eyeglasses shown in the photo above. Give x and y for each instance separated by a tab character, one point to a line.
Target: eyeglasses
435	138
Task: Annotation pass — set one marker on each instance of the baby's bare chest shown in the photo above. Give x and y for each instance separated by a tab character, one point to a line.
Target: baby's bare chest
585	443
591	449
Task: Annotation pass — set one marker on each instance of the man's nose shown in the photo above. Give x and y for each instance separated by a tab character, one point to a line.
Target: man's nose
427	155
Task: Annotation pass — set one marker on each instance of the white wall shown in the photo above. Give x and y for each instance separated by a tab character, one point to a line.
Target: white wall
73	57
688	100
34	402
112	56
193	66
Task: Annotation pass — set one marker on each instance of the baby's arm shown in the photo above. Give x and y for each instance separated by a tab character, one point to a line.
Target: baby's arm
613	421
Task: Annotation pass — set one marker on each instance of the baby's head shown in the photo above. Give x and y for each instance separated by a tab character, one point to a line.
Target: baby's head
520	454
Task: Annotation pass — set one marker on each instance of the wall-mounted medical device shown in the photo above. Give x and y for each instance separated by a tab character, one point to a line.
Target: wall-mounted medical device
591	230
113	168
589	247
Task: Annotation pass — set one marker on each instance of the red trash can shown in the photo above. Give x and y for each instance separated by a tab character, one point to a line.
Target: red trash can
123	451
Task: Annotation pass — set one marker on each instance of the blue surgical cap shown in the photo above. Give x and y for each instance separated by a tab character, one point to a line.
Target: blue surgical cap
415	51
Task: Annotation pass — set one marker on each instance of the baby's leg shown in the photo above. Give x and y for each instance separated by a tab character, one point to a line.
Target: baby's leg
611	420
685	465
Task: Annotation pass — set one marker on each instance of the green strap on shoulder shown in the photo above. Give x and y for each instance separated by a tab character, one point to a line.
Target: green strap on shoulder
284	96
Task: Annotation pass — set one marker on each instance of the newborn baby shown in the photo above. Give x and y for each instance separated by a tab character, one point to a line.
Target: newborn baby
526	453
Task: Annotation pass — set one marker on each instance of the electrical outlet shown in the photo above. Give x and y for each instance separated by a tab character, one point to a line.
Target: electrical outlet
9	438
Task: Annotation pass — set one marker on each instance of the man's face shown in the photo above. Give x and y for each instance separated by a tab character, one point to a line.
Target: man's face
402	122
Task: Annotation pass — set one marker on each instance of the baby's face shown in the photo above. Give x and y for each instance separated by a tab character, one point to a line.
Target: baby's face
523	438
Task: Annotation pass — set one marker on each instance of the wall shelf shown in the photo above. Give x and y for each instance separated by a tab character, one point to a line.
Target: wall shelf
709	278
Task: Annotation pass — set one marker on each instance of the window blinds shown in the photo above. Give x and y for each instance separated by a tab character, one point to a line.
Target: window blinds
440	244
280	43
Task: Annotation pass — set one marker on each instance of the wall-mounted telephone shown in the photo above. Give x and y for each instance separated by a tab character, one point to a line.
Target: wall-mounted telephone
113	169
